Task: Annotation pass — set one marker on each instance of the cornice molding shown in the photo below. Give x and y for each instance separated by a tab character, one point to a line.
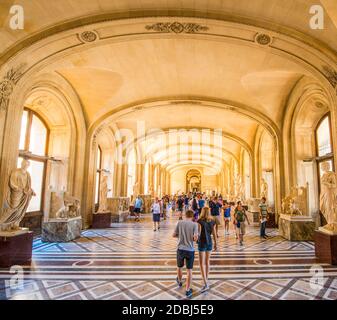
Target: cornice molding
115	16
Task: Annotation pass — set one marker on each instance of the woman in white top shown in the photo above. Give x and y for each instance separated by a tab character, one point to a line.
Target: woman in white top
156	209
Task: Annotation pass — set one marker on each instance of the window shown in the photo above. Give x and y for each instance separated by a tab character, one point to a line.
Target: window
324	150
33	146
98	173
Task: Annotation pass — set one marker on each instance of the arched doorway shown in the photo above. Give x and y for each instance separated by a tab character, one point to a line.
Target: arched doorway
193	181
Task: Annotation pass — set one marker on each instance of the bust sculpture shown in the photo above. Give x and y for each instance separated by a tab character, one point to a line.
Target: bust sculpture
328	197
264	189
20	193
103	193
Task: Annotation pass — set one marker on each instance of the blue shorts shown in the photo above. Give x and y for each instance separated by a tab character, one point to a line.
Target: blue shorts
205	248
156	217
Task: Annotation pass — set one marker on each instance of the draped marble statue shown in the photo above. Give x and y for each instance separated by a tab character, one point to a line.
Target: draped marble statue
296	203
264	189
20	193
328	198
103	193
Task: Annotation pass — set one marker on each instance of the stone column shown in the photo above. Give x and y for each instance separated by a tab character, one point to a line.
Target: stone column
140	169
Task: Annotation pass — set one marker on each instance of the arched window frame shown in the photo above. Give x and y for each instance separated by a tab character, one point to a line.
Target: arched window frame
98	173
25	153
327	157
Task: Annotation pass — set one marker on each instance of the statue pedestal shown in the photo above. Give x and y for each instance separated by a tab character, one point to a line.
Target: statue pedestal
254	218
119	208
120	216
61	230
101	220
271	222
16	248
326	247
296	228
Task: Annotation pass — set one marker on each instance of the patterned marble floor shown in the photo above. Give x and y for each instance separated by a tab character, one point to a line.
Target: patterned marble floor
130	261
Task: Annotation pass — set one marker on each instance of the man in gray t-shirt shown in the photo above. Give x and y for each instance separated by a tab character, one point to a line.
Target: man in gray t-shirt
187	232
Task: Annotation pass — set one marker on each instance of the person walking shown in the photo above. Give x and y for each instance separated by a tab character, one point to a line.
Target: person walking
263	217
187	232
195	208
206	228
138	207
227	216
215	207
156	210
240	221
180	205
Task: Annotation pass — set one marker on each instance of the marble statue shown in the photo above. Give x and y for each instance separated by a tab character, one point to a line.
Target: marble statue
264	189
240	195
103	193
73	204
19	195
328	198
64	206
296	203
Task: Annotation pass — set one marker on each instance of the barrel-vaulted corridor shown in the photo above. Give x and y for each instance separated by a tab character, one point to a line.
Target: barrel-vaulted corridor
104	101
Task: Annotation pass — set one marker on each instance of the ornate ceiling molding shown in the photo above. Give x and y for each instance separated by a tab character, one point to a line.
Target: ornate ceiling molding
331	75
88	36
263	39
7	86
176	27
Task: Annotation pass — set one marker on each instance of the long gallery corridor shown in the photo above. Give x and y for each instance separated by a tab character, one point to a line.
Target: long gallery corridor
114	110
130	261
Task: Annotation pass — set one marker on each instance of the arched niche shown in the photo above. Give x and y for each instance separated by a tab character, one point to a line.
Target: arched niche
307	105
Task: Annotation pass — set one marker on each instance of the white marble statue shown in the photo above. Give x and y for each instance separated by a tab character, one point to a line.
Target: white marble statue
103	193
264	189
19	195
328	198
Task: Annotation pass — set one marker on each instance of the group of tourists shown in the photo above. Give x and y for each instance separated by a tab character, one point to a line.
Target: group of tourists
199	218
202	230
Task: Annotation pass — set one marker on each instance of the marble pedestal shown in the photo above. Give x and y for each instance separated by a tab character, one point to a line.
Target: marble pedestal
296	228
326	247
101	220
254	218
16	248
61	230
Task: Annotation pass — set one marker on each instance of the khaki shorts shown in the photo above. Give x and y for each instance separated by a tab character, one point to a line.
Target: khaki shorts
217	220
242	228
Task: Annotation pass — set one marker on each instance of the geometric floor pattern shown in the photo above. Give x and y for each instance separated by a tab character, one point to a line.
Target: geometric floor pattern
130	261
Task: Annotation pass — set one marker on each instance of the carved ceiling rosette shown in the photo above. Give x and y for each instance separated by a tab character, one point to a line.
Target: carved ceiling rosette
263	39
176	27
7	86
88	36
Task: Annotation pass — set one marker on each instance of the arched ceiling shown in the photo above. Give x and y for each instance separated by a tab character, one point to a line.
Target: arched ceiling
110	75
43	14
